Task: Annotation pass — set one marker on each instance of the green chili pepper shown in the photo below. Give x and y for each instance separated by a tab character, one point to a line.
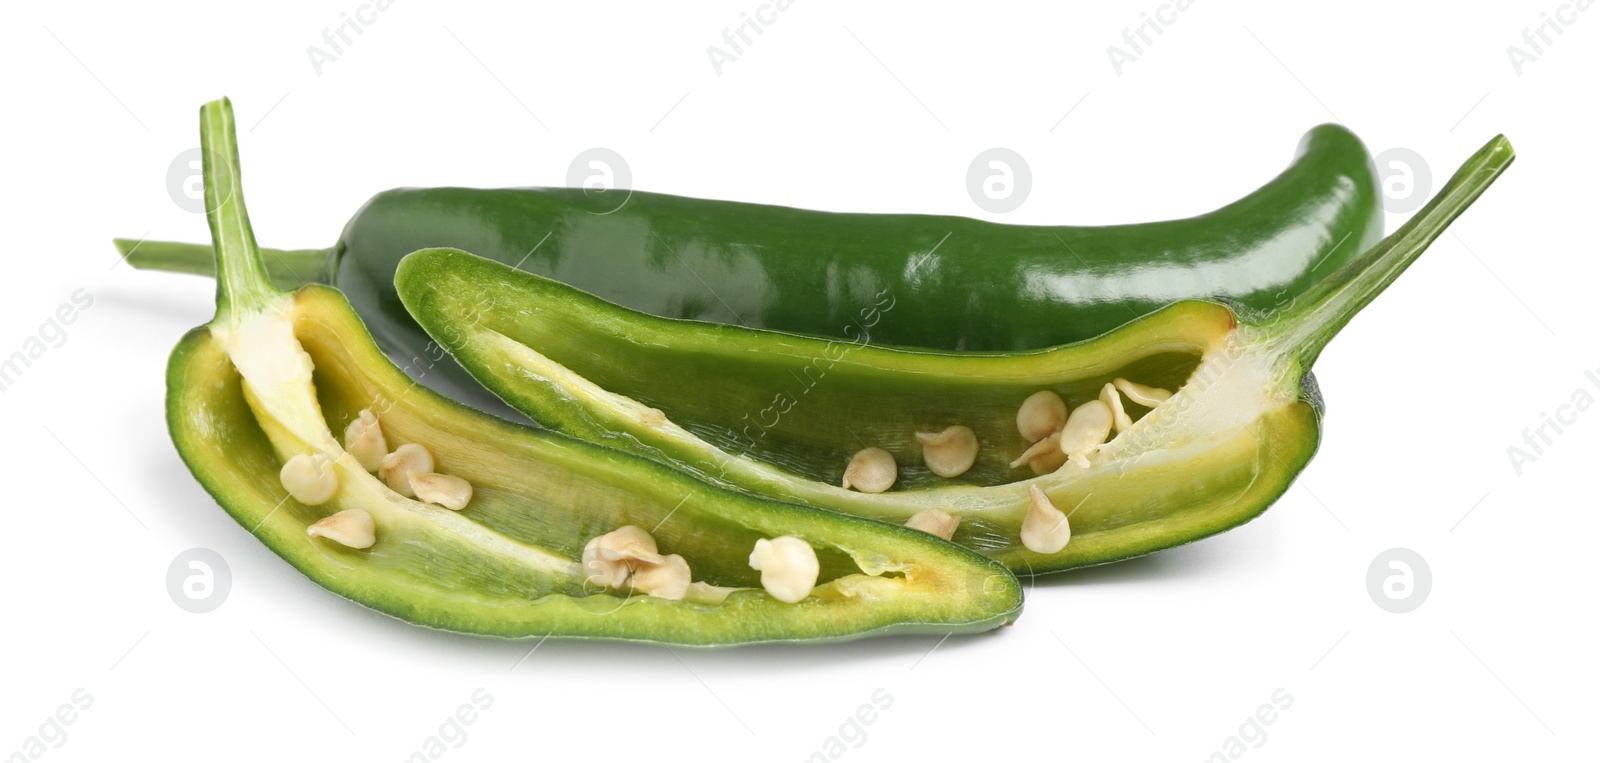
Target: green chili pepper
956	283
785	415
254	399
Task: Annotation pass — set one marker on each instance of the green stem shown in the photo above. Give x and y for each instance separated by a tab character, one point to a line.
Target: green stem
287	269
1306	325
242	286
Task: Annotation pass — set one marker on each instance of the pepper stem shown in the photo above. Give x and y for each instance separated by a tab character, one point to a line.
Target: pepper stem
287	269
1306	325
242	285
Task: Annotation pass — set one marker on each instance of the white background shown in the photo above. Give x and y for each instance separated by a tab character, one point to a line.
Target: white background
841	107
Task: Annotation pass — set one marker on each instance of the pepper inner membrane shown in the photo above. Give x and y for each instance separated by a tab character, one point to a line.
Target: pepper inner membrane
810	420
541	491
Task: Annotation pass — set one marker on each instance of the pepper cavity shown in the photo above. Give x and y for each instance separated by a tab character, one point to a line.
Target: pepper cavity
1056	435
409	469
313	480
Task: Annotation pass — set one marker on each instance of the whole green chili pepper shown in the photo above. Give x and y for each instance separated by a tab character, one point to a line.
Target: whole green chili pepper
955	282
477	525
1214	411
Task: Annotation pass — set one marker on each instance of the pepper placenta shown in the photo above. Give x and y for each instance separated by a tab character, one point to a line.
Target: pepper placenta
1210	413
955	283
478	525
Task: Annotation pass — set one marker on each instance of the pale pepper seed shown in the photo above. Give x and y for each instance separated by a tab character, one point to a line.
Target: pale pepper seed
1041	415
363	438
788	566
310	480
450	492
398	467
1148	397
936	522
628	557
1085	432
1045	529
351	527
871	470
1119	417
609	558
951	452
667	580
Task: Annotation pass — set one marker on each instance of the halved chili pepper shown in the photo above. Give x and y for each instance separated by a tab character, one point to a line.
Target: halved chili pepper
473	524
954	282
1214	411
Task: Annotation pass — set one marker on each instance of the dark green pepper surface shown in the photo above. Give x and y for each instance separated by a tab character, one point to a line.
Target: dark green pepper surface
937	282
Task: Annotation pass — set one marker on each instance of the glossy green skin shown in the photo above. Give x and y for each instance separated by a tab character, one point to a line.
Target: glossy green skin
954	283
987	286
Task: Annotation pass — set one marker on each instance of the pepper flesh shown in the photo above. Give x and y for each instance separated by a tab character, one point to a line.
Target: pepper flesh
774	414
938	282
274	375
